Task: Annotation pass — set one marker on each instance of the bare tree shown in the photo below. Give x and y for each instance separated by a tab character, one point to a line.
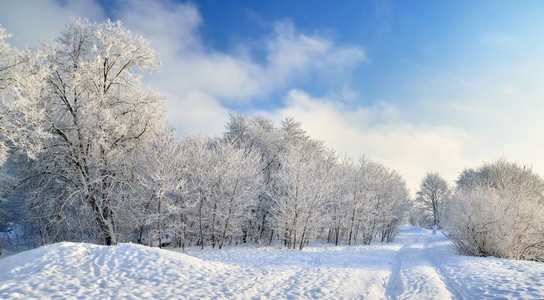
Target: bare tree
433	191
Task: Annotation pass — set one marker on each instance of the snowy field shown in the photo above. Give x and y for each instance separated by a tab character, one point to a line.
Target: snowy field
418	265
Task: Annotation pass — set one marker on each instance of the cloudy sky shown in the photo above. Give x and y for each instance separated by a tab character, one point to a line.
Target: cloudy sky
418	85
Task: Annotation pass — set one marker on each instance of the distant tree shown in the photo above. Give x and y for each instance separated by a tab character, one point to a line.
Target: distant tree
433	191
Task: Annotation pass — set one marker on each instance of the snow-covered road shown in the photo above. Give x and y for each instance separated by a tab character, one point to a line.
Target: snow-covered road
418	265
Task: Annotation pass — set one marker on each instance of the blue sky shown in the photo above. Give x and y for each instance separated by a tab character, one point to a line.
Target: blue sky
418	85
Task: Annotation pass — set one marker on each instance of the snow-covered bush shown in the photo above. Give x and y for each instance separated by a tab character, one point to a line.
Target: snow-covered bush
498	210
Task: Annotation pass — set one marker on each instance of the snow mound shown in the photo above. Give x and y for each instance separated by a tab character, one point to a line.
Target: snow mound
92	271
418	265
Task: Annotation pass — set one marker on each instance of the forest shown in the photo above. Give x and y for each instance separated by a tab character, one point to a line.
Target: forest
86	155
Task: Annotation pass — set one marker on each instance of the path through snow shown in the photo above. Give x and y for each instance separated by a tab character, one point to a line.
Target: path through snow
416	272
418	265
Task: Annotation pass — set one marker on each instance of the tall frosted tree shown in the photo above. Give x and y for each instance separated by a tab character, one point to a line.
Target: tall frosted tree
98	114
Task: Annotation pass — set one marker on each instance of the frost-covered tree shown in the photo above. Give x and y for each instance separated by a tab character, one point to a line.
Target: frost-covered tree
259	135
99	116
385	202
498	210
8	61
239	182
302	190
21	115
222	183
21	112
432	193
396	207
338	206
198	175
360	190
155	189
368	201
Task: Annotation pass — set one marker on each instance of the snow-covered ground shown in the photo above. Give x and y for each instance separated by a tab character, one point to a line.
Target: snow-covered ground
418	265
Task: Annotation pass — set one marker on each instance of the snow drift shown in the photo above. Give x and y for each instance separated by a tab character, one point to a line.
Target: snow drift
418	266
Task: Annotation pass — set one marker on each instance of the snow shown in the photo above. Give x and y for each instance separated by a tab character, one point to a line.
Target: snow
418	265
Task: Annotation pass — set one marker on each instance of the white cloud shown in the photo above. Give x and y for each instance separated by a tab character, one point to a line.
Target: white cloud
192	71
35	21
199	81
378	132
170	26
293	53
200	112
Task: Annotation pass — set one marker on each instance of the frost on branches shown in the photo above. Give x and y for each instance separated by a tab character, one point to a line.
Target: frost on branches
310	193
21	114
21	111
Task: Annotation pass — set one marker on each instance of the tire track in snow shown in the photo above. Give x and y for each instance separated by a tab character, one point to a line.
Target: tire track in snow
441	249
394	285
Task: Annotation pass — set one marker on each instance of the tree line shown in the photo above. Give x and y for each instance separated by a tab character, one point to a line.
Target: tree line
87	156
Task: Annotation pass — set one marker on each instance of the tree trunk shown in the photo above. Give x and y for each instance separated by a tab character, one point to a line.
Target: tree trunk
201	229
104	219
159	221
351	227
